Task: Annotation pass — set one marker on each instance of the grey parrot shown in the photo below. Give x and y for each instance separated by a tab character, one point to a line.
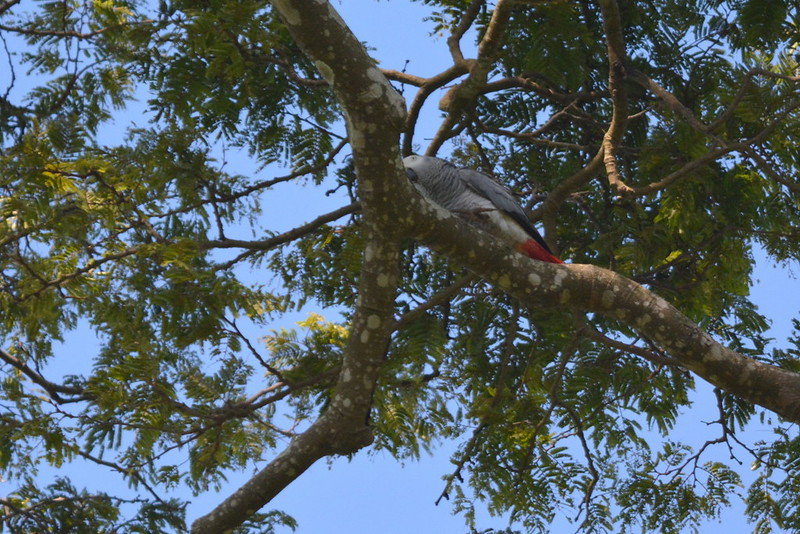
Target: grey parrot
477	198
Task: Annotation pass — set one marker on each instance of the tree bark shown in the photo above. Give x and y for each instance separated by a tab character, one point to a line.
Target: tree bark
375	116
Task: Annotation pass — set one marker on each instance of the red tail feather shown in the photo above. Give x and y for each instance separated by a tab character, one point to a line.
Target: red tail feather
534	250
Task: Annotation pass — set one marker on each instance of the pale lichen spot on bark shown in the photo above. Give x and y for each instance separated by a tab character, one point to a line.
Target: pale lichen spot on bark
332	13
325	70
660	307
607	300
364	337
714	353
399	103
383	280
558	279
347	402
369	252
744	376
290	14
564	298
395	100
372	92
355	131
369	378
504	281
346	376
534	279
373	322
375	75
357	138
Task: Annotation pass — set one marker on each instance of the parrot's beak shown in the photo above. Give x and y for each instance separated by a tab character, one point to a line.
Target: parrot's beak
411	175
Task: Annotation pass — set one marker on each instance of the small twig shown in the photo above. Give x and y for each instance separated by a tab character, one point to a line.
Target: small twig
8	4
497	398
587	454
268	244
64	33
128	471
436	299
651	356
53	390
272	370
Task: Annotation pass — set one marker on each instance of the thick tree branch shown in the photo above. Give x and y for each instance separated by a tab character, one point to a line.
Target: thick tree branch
368	100
588	288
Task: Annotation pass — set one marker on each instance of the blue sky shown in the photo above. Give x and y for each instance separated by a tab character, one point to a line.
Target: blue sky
376	493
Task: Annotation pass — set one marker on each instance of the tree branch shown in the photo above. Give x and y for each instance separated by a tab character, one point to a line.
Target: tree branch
439	298
367	100
467	19
53	390
488	50
64	33
427	87
557	196
268	244
8	4
618	61
588	288
744	147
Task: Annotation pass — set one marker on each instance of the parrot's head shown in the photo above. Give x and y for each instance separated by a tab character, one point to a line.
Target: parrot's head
427	173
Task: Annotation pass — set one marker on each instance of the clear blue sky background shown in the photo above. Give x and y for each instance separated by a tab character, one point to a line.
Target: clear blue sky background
377	494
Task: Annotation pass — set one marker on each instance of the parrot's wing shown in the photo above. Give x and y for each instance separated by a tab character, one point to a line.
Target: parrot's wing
501	197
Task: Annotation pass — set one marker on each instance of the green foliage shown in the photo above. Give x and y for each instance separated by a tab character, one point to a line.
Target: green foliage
60	507
171	248
771	499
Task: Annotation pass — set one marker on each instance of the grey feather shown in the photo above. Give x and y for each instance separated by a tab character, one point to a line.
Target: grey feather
466	191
